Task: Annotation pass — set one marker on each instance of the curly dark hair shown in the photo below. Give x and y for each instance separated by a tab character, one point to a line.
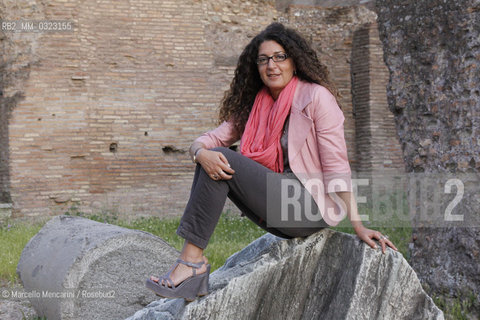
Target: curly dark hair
238	100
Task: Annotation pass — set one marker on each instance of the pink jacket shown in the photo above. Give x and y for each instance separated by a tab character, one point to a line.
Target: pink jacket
316	146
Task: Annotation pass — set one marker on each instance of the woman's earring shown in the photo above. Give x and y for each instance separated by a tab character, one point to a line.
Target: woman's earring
294	72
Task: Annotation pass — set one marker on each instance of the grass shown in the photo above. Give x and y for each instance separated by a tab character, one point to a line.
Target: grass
462	308
14	235
231	234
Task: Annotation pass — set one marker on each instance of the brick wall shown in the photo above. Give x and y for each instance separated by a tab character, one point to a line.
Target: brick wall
376	142
110	110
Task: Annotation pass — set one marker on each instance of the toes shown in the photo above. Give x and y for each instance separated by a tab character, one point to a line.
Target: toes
153	278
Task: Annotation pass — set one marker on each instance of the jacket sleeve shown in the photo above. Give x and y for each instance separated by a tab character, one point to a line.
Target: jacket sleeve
328	119
222	136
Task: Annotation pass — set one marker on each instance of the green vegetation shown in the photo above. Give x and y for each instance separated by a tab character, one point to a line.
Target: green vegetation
231	234
13	238
461	308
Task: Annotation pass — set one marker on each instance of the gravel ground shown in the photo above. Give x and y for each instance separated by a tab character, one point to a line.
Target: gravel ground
14	308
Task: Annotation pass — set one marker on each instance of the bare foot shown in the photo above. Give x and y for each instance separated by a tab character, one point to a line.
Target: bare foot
183	272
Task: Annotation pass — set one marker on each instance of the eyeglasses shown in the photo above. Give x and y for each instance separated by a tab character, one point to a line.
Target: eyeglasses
278	57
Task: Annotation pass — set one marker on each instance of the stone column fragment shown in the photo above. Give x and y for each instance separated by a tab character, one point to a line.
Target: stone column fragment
76	268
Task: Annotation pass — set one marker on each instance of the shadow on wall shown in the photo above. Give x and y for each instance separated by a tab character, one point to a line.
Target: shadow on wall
6	106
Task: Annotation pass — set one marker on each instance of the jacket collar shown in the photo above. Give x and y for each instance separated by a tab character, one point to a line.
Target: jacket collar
300	124
302	96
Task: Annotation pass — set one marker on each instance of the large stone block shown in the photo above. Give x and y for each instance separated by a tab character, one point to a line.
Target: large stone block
75	268
434	96
329	275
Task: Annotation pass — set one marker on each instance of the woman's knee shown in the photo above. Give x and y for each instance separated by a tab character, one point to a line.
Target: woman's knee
227	152
223	150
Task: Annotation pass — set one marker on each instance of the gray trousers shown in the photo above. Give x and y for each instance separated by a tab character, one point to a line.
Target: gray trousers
257	191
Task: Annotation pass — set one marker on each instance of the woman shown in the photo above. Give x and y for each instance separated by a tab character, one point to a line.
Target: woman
282	105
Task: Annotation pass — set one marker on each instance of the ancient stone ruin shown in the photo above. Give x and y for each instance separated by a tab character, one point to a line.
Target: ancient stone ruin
76	268
328	275
84	269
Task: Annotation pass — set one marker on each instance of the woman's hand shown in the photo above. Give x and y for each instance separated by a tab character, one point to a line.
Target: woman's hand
363	233
215	164
367	235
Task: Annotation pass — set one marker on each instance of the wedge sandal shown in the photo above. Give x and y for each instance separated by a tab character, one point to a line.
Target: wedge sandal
189	289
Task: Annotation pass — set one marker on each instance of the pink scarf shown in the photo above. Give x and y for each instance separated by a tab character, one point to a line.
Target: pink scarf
261	138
